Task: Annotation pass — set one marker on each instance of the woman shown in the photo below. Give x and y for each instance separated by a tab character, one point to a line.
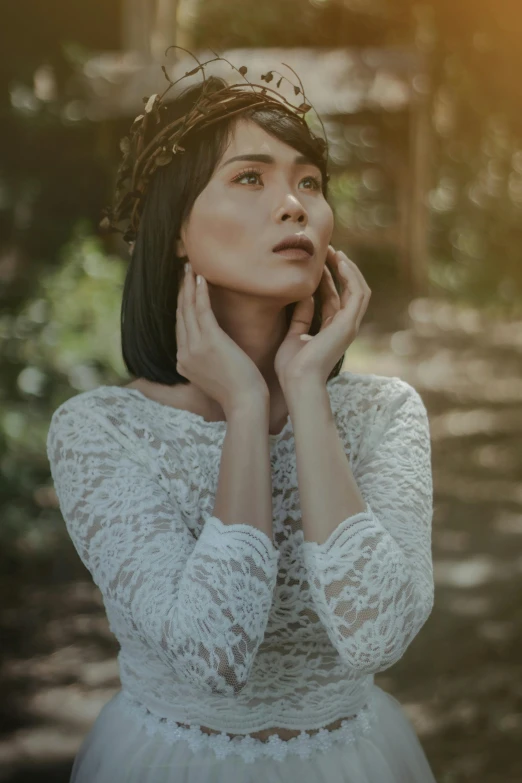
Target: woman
258	523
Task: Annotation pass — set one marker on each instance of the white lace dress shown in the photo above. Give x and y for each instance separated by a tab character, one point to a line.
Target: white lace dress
225	627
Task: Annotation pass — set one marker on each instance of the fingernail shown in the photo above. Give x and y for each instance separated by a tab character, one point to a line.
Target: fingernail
198	279
187	266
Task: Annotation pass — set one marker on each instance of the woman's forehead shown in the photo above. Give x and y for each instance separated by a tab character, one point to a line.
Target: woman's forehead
248	137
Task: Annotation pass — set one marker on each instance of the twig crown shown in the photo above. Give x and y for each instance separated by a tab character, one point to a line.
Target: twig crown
141	160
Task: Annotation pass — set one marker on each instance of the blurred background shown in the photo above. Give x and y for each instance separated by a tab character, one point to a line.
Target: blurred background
421	102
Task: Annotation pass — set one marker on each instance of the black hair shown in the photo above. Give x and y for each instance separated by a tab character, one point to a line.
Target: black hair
155	272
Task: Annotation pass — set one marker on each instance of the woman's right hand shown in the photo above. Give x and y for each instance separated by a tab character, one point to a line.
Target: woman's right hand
207	356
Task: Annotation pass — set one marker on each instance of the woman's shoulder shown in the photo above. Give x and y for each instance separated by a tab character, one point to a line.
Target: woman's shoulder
98	400
103	414
363	392
133	417
364	404
130	396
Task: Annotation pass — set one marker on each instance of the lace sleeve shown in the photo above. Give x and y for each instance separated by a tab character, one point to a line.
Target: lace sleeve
372	580
201	605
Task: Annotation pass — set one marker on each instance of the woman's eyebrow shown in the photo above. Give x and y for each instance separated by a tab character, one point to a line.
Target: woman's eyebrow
262	158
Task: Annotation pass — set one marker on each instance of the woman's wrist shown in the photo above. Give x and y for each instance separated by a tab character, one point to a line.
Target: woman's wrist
248	406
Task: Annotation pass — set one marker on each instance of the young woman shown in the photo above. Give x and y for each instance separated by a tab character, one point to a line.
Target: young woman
258	522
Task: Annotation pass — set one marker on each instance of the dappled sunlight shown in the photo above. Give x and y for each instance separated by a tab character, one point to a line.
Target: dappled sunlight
472	572
472	490
459	423
59	671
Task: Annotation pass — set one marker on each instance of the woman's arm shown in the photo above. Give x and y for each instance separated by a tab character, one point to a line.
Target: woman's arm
367	542
200	605
327	488
244	492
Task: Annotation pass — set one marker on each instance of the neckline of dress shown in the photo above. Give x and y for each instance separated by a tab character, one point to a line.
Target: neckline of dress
220	426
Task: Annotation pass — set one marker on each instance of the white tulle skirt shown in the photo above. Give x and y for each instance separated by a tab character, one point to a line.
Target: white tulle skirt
124	746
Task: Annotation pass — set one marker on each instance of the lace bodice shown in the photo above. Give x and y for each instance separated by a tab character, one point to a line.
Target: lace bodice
221	625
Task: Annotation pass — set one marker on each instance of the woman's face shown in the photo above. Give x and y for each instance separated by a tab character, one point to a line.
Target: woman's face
241	215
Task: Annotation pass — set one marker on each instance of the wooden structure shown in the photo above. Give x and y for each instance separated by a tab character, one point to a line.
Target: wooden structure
346	87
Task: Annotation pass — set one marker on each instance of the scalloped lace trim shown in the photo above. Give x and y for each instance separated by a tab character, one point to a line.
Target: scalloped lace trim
250	748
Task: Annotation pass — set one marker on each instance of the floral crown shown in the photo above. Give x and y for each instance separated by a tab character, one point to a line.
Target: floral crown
141	159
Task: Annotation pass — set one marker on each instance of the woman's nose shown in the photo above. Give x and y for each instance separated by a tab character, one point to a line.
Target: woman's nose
292	208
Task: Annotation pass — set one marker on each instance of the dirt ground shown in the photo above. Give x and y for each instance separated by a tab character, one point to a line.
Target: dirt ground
460	680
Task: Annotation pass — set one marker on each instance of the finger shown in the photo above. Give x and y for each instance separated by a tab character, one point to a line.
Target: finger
181	332
179	308
353	304
358	273
351	283
365	287
359	319
354	288
302	317
330	253
357	293
333	266
351	312
204	312
189	310
331	303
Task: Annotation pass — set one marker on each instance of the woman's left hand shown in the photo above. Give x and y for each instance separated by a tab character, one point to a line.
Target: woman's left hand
301	355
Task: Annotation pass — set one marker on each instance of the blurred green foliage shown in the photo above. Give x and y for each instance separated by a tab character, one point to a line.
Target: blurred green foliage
64	339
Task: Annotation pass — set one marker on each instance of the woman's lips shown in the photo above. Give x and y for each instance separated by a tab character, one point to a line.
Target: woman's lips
294	252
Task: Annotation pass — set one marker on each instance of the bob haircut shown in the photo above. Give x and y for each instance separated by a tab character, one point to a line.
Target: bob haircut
155	272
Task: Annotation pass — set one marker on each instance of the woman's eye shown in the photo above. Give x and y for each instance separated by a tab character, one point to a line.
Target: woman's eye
246	174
